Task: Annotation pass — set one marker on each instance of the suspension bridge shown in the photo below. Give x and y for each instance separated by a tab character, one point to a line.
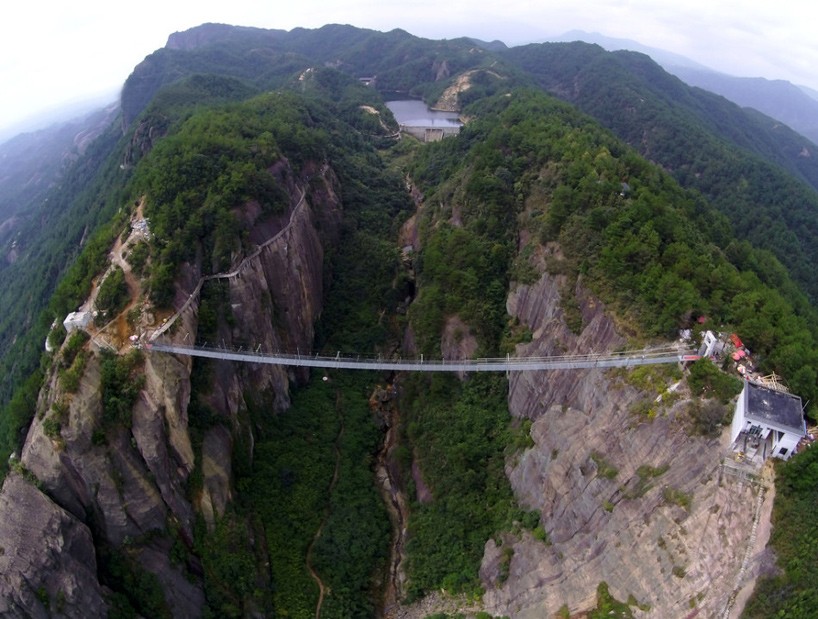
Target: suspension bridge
361	362
498	364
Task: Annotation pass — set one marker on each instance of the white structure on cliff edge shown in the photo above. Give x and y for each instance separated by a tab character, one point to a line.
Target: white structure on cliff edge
767	423
77	320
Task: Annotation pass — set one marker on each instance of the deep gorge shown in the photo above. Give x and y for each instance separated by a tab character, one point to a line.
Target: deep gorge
157	485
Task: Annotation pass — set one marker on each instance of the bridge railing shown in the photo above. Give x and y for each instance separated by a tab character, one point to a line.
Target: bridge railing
254	354
297	354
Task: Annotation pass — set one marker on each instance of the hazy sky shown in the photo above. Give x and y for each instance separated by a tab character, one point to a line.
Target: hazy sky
54	52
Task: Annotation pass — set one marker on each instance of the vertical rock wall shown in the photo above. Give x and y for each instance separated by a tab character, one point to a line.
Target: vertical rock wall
76	491
47	562
604	522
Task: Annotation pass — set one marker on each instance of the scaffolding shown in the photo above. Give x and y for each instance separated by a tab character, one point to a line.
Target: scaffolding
772	381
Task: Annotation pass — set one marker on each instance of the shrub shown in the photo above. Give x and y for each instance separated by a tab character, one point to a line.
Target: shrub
676	497
645	473
120	385
707	417
604	468
521	436
607	606
56	336
52	427
113	293
138	257
540	534
505	564
70	378
136	590
707	381
530	519
73	346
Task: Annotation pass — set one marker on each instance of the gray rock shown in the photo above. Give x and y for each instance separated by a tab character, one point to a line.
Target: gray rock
47	561
131	483
608	527
217	473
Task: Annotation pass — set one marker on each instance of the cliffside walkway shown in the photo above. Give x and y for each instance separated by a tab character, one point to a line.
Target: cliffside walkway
500	364
227	275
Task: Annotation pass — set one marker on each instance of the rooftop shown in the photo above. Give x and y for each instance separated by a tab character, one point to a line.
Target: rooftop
774	407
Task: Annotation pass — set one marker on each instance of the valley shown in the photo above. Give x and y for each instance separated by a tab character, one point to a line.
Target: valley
206	449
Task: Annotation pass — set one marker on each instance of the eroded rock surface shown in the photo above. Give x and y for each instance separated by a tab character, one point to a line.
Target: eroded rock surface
124	485
672	536
47	561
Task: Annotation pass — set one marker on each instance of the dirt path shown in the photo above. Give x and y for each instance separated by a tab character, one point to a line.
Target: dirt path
322	588
114	334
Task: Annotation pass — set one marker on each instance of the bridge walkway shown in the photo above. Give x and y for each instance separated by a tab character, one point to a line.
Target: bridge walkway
501	364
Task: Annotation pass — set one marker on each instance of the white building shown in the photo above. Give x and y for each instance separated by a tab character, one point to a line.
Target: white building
710	344
767	423
77	320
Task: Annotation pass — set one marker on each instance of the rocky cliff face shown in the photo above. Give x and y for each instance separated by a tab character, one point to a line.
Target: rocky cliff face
58	572
634	502
128	490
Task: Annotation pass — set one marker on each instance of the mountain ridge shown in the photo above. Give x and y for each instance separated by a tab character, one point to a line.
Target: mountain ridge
214	488
790	103
688	131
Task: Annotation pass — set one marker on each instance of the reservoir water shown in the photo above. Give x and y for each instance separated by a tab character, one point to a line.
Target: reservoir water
414	113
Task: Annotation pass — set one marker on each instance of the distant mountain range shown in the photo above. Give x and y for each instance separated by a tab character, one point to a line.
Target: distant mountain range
251	189
796	106
31	163
51	119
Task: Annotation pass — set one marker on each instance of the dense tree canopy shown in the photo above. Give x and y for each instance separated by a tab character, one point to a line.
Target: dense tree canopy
625	225
751	168
526	170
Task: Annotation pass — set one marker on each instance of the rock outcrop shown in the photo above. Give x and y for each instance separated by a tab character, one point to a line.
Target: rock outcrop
47	561
125	487
458	341
449	101
634	502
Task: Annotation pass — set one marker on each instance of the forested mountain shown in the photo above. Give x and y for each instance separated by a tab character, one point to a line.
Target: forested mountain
45	243
31	164
795	106
745	164
77	214
255	193
268	58
663	118
775	98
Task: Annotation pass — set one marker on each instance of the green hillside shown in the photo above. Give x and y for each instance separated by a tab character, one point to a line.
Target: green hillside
647	252
749	167
269	58
67	235
670	205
